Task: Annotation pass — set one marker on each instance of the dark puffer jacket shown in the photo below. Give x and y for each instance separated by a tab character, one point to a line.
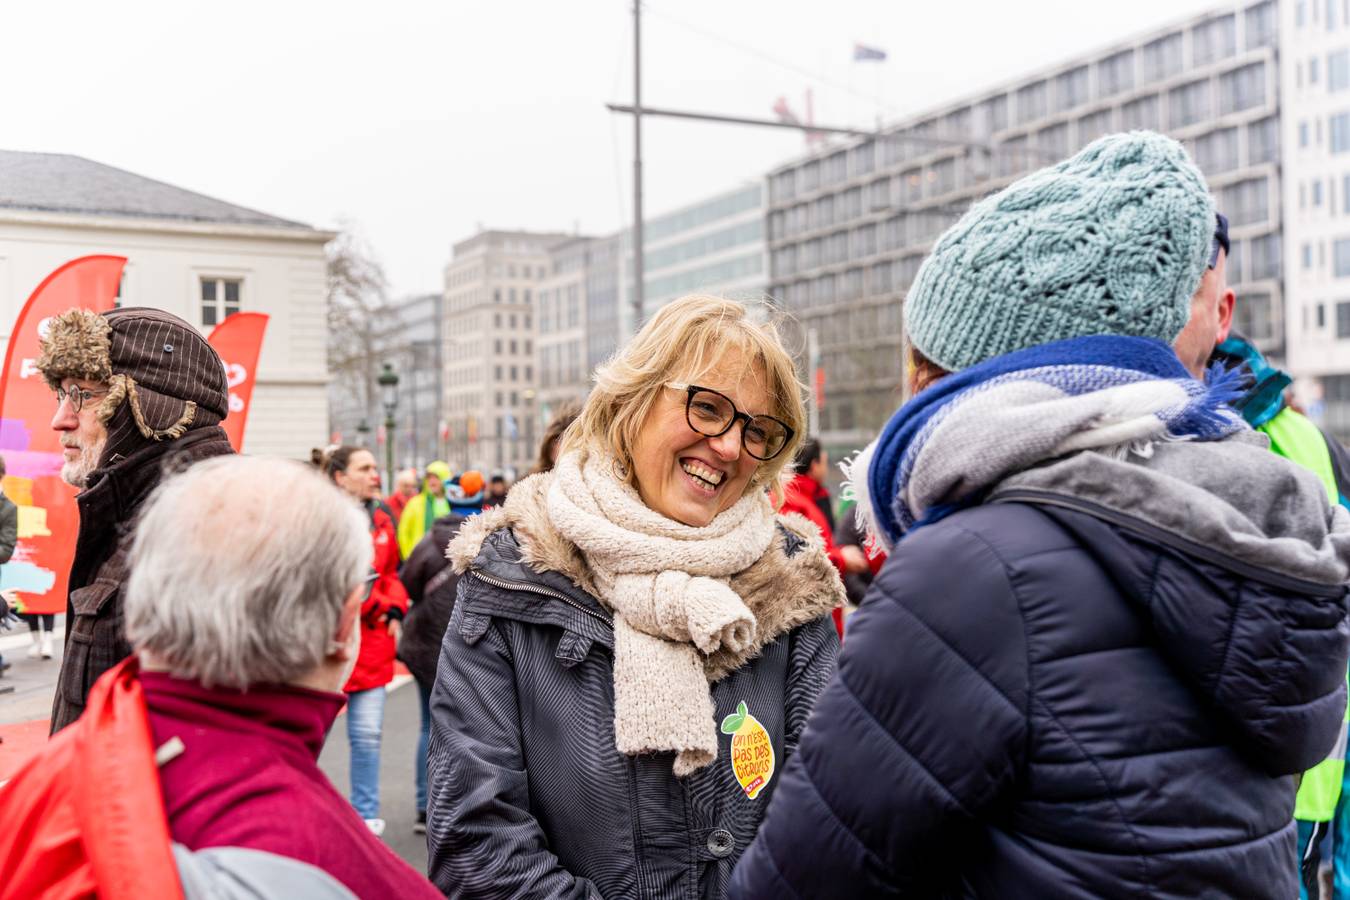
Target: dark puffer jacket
1047	696
529	796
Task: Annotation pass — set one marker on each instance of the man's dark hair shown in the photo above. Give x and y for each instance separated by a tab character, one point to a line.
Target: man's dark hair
498	479
810	452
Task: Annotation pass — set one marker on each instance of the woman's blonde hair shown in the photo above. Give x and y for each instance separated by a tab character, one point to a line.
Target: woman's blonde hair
684	340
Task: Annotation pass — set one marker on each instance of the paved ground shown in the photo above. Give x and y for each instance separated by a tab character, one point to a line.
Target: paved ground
23	728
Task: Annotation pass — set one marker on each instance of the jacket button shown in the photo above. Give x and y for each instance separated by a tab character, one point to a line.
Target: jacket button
721	843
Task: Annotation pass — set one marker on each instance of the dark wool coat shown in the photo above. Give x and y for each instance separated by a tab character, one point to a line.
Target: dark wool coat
529	796
1046	699
431	586
94	641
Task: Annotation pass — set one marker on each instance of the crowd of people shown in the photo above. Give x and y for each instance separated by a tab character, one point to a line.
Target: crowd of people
1077	627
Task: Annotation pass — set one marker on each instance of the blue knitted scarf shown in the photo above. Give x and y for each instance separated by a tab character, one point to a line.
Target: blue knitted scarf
946	447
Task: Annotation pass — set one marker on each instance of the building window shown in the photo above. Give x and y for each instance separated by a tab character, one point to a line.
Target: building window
1340	258
1317	192
529	373
1242	88
1343	320
1115	74
496	320
1321	316
525	298
1217	151
1265	256
514	372
497	346
496	295
220	299
1252	316
1263	141
1188	104
513	348
1031	102
1216	39
1338	71
1071	88
1306	254
1314	70
1246	202
498	372
1340	132
1162	58
1261	29
1302	135
511	321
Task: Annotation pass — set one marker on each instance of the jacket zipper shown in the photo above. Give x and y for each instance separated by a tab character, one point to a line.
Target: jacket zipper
1162	536
506	585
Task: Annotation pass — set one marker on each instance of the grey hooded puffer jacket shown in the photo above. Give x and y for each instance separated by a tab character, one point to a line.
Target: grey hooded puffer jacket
528	796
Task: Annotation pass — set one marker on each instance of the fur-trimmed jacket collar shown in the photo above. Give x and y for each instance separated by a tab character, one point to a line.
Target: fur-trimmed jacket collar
791	584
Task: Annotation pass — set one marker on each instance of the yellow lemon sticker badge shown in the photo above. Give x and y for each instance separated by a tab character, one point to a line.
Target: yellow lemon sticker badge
751	750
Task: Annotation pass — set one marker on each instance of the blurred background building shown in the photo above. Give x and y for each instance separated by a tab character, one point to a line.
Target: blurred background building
200	258
848	226
489	377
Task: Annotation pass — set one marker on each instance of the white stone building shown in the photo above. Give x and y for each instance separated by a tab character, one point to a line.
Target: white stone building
194	256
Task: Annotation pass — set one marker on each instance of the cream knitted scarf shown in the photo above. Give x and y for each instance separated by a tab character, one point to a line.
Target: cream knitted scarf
667	584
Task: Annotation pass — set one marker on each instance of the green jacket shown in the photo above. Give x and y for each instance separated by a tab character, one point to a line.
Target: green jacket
418	514
1295	437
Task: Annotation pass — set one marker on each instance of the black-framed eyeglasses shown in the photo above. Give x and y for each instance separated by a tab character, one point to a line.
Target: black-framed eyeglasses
77	396
713	413
368	585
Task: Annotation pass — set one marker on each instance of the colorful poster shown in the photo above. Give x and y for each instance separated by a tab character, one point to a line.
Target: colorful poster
48	517
238	341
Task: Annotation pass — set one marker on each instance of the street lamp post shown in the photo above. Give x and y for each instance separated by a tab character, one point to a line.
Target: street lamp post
363	434
388	381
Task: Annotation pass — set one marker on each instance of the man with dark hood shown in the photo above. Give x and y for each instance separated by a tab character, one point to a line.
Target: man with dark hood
136	389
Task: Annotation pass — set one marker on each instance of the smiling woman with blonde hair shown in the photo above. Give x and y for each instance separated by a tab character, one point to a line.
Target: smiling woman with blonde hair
640	626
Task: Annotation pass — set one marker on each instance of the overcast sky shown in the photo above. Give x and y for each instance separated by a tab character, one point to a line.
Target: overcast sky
421	121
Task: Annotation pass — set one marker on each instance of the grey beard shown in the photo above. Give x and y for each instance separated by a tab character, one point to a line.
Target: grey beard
76	472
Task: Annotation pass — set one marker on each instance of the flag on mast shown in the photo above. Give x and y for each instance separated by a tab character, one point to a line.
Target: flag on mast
864	53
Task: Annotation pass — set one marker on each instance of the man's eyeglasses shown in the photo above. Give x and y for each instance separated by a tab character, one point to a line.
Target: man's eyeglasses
368	585
713	414
77	396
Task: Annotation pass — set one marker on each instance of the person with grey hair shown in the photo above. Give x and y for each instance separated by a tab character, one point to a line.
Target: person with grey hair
244	626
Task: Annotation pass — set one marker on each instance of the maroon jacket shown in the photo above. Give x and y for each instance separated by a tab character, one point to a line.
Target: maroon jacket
248	777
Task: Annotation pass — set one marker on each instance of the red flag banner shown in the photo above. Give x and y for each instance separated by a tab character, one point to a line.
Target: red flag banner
238	341
48	518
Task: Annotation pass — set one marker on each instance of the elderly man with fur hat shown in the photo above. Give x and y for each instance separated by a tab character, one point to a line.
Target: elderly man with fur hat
136	389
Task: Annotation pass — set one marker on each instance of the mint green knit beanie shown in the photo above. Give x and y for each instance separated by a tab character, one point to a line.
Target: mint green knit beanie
1111	241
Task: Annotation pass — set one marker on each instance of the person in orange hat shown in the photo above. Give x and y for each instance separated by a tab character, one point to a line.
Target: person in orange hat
467	493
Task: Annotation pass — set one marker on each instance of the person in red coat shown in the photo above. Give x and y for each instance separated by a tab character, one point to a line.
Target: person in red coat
354	470
806	494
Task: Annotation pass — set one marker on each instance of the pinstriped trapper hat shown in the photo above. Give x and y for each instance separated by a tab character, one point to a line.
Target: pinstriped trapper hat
166	379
